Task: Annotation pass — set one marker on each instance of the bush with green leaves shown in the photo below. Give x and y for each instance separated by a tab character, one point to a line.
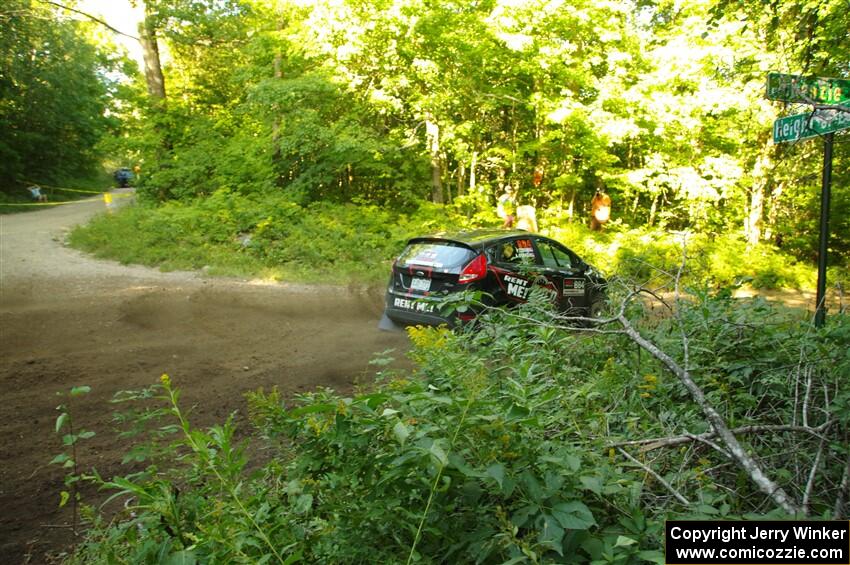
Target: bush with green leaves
522	439
272	236
266	236
719	260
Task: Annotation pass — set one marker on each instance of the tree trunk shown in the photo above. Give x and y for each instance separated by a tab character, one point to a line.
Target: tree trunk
752	225
432	134
773	209
761	179
277	157
461	178
445	174
652	210
473	164
150	52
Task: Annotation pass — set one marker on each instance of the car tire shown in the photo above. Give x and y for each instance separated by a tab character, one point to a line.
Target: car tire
597	305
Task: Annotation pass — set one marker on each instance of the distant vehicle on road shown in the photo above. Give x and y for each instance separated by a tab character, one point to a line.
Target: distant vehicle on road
123	176
505	265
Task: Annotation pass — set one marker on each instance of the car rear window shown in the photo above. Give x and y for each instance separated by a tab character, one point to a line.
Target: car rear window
442	255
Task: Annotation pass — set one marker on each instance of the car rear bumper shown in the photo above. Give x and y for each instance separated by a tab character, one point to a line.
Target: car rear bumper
411	310
408	318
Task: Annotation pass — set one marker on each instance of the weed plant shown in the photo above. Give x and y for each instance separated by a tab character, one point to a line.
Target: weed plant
272	237
505	445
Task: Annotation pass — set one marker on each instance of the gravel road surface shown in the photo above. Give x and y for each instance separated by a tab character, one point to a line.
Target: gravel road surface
67	319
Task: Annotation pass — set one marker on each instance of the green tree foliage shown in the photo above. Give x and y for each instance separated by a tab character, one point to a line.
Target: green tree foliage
53	93
658	103
807	38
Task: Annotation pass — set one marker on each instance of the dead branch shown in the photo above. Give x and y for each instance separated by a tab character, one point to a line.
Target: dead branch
89	16
657	443
657	477
744	460
838	510
719	427
807	494
806	396
710	444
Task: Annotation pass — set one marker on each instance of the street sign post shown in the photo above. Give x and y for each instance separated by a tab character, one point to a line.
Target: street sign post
820	122
810	124
823	241
808	90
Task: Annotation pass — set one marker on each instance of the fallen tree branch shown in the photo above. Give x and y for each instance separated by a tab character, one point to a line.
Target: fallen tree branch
720	429
807	495
843	488
656	443
736	450
657	477
710	444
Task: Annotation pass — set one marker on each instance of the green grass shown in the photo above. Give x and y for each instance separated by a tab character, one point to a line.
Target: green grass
273	238
268	238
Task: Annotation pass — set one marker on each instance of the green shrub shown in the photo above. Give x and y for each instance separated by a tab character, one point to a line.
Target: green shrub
721	261
255	234
505	445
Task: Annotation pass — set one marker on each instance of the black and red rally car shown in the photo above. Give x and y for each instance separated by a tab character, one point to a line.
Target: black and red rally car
505	265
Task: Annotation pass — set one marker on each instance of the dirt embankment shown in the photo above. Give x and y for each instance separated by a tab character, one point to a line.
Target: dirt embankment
67	320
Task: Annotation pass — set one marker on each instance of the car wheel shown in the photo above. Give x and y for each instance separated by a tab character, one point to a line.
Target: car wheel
597	306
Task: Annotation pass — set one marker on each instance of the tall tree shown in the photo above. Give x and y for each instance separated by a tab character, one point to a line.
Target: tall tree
148	38
52	95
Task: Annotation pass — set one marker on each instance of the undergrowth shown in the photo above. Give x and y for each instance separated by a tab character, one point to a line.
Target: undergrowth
503	446
271	237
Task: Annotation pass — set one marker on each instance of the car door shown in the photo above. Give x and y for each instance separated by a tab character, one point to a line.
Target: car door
566	272
510	262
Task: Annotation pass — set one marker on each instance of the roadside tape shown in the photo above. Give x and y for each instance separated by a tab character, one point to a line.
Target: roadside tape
42	203
63	187
107	198
74	190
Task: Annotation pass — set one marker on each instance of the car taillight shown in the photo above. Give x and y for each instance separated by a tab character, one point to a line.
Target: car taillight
475	270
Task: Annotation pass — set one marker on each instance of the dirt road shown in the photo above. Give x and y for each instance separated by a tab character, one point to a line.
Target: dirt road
67	320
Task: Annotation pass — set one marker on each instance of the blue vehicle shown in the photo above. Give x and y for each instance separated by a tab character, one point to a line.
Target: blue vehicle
123	176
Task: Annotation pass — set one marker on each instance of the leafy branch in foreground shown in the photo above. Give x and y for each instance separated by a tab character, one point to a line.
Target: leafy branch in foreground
194	503
524	438
68	458
689	317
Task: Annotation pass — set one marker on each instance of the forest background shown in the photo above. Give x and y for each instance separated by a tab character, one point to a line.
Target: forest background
276	120
308	139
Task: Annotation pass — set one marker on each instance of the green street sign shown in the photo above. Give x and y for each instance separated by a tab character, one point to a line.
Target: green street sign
796	88
811	124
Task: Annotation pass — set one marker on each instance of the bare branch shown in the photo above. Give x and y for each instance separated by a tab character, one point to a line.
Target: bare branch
838	510
657	477
657	443
710	444
744	460
655	295
89	16
806	396
504	96
838	107
811	482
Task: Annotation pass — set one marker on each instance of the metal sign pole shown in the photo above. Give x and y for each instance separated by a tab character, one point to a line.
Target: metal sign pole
820	313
